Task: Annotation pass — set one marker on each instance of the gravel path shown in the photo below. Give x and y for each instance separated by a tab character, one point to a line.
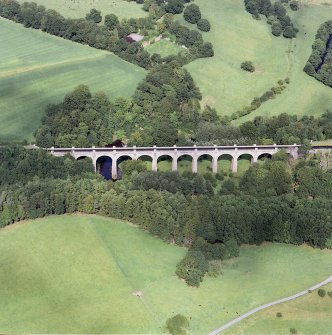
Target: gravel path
257	309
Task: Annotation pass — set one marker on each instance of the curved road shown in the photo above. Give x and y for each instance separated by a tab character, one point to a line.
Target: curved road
255	310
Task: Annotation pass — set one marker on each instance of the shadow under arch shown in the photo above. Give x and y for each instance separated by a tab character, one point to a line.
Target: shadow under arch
264	156
104	166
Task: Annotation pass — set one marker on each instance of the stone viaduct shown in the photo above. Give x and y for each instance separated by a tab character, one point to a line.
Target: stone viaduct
215	153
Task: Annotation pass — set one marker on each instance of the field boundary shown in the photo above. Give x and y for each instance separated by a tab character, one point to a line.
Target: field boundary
269	304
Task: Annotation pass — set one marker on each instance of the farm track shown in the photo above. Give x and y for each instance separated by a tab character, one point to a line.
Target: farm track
277	302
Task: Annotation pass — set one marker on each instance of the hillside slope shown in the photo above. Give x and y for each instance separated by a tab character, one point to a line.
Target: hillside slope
77	274
237	37
38	69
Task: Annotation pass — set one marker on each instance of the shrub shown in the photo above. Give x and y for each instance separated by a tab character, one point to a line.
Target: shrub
247	66
276	29
293	330
94	15
203	25
329	294
192	268
321	292
294	5
174	6
176	324
192	13
289	32
279	314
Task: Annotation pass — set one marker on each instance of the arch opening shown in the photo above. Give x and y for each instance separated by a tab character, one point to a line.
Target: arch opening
164	163
264	156
119	163
184	163
225	164
244	162
205	164
147	161
83	157
104	166
85	161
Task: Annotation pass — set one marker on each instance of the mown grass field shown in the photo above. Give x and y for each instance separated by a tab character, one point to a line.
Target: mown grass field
79	8
38	69
237	37
77	274
164	48
309	315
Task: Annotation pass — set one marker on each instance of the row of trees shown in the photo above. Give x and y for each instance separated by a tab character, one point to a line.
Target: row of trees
267	95
164	111
276	14
85	31
281	129
109	36
319	64
192	14
20	165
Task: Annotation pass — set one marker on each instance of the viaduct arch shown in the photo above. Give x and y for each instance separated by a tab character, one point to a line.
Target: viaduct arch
195	152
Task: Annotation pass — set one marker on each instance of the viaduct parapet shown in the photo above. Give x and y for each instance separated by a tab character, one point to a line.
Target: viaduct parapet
117	154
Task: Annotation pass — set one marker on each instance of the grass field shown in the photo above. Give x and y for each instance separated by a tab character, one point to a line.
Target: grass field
237	37
309	315
79	8
164	48
38	69
77	274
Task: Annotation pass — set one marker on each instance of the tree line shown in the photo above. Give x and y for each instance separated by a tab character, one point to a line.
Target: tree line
108	36
279	201
319	64
276	15
165	110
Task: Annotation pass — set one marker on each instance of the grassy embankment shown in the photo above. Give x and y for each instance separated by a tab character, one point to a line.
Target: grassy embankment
77	274
237	37
38	69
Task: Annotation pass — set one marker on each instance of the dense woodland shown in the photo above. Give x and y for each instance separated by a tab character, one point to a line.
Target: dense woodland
319	64
111	35
164	111
279	201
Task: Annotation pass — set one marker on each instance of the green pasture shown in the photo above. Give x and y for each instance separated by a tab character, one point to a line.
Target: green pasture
237	37
37	69
77	274
309	315
79	8
164	48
